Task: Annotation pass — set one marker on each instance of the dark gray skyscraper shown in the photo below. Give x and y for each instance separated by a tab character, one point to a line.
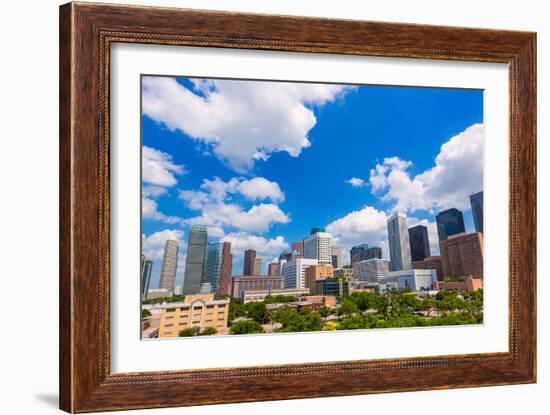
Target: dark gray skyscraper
449	222
476	200
420	243
358	253
146	269
374	252
194	264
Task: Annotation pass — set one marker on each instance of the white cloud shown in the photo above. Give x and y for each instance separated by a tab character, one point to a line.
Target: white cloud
258	218
158	168
241	241
356	182
153	245
149	210
458	172
367	225
153	191
260	188
242	121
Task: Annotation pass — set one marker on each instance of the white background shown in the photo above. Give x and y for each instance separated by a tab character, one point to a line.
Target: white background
129	354
28	346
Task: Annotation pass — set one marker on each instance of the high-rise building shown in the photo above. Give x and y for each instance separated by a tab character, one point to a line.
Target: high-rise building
431	262
319	246
476	200
196	256
374	252
449	222
370	270
217	269
169	265
398	238
294	272
298	247
146	270
273	269
257	266
358	253
317	272
420	243
249	257
337	261
462	255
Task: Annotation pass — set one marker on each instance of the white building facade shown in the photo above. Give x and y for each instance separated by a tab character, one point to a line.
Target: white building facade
294	272
412	279
319	246
398	238
371	270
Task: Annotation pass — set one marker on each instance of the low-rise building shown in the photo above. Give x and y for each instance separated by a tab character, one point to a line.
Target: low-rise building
260	295
344	272
431	262
336	287
255	282
411	279
159	293
196	311
468	284
317	272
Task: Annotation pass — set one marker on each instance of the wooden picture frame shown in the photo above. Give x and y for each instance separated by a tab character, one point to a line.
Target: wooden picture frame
86	33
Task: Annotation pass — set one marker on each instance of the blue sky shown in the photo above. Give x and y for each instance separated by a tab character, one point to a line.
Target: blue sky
260	163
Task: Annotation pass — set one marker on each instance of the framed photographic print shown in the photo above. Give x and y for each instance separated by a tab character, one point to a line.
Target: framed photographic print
261	207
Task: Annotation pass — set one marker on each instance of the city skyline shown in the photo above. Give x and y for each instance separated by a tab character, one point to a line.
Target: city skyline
260	201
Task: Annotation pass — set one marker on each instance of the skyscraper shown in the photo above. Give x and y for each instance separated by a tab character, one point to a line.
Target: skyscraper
217	269
374	252
337	257
358	253
298	247
249	257
476	200
146	269
194	264
449	222
398	238
273	269
169	265
319	246
257	266
420	243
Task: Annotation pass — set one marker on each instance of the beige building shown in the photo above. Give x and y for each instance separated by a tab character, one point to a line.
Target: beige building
200	310
260	295
317	272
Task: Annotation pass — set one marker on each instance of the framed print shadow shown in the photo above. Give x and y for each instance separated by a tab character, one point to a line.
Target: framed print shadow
258	207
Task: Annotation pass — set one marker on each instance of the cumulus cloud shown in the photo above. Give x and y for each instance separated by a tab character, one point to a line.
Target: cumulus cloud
149	210
356	182
457	173
264	247
241	121
367	225
217	210
152	246
258	218
158	168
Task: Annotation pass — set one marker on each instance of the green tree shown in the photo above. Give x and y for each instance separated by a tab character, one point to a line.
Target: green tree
208	331
256	310
297	321
189	332
246	327
145	313
325	311
348	308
